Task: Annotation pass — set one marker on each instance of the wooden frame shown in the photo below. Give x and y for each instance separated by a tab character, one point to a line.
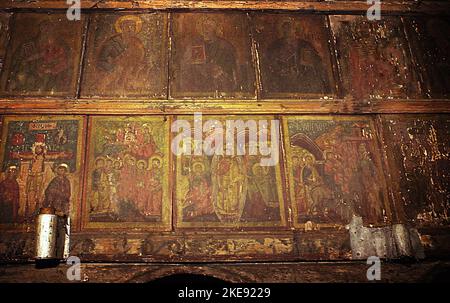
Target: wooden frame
376	158
76	181
180	191
95	124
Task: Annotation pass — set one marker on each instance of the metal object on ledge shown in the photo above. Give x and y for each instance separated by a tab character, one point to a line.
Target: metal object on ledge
46	234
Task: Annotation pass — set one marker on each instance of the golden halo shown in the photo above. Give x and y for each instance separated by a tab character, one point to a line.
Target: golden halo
137	20
129	157
118	161
99	158
211	21
280	25
141	161
263	170
202	165
154	158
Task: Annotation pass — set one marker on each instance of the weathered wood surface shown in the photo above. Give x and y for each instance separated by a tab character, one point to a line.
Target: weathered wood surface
307	272
405	7
116	107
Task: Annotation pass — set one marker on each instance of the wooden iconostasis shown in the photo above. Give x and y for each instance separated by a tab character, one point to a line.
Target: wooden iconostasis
363	131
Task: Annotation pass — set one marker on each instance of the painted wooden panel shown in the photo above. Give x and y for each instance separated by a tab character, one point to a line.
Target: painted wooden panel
4	36
430	42
126	56
128	173
211	56
374	58
334	171
43	56
41	164
420	166
231	191
295	58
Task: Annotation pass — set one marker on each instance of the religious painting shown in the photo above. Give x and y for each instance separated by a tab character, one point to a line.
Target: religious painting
295	56
43	56
334	171
4	36
212	56
420	166
228	190
429	39
40	166
374	58
127	183
126	56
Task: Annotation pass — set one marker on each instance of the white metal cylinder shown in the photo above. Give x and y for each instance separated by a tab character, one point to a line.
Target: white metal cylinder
46	235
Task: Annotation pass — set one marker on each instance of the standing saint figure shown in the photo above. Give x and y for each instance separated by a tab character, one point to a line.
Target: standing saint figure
57	194
9	197
198	198
121	57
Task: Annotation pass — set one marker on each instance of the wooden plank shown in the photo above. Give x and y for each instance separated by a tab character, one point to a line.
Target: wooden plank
180	106
432	7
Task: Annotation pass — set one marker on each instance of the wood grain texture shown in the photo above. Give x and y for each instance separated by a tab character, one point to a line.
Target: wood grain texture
405	7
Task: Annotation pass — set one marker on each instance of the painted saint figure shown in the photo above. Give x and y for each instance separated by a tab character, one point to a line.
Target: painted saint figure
9	197
154	203
198	199
58	191
42	63
295	64
210	61
122	55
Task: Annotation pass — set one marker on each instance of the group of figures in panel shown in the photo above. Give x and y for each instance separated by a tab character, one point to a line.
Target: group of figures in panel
40	161
126	182
212	56
228	191
334	171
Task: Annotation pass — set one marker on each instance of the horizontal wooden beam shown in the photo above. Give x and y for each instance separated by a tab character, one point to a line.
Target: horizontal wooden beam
117	107
429	7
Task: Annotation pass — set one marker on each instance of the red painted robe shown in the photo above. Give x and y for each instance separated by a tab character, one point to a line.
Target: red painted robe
58	194
9	200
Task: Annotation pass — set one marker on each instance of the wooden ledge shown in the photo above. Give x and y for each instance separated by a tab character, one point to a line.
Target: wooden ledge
117	107
431	7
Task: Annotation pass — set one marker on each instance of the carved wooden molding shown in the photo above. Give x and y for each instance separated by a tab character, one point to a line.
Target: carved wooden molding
431	7
180	106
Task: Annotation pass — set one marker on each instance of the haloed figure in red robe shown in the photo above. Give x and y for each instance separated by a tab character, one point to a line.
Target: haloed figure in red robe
9	197
57	194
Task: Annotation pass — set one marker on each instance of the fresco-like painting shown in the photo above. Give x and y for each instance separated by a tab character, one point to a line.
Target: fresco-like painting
374	58
420	167
128	173
429	39
43	56
41	166
126	56
295	58
4	36
228	190
334	171
211	56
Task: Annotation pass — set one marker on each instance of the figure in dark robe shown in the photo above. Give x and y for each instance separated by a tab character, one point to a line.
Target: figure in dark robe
9	197
295	65
41	64
57	194
122	56
210	61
